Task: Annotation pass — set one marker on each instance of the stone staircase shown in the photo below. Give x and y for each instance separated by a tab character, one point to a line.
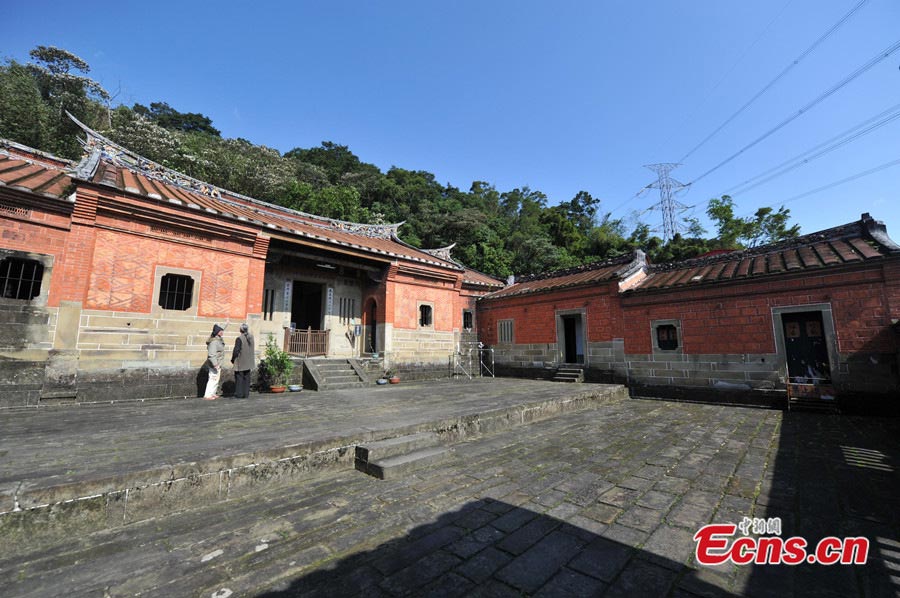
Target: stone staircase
335	374
568	374
394	457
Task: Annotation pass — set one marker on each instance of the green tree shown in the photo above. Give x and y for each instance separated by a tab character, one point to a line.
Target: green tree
61	80
167	117
563	231
581	210
765	226
24	117
142	136
335	159
607	239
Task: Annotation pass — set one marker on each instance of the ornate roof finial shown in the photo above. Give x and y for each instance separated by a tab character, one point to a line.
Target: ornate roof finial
442	253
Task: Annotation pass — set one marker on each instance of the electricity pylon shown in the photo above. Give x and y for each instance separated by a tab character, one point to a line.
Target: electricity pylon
668	187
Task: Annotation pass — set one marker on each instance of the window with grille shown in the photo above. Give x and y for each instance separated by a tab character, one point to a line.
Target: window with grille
176	291
268	304
20	278
425	315
667	337
505	331
347	310
467	320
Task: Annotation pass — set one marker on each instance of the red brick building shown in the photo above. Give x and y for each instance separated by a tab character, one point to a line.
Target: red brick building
114	270
818	312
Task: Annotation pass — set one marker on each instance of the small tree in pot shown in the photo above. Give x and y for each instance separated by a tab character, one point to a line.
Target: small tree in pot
276	365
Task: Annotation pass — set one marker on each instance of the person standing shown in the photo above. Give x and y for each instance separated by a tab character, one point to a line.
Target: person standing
215	359
244	358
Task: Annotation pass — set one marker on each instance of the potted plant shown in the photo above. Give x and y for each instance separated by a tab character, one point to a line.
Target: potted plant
276	365
392	377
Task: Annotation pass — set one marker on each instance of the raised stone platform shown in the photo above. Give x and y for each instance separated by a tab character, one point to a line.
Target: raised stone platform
94	466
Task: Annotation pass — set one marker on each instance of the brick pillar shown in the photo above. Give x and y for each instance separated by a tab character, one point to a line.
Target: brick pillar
257	276
389	306
72	275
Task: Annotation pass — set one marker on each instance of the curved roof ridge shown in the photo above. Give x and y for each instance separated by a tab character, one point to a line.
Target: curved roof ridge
453	263
624	258
443	253
33	155
97	143
841	231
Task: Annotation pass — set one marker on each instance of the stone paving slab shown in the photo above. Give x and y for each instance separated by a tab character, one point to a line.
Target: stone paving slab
522	512
116	463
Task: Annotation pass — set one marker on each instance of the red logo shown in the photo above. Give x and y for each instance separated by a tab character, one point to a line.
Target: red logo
715	547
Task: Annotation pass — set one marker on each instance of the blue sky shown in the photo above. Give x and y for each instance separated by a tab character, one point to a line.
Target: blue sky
559	96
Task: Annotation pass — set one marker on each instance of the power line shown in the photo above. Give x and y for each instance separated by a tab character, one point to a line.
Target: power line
722	79
777	78
818	151
887	52
858	175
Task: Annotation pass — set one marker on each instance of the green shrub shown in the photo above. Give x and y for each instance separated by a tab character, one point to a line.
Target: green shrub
276	364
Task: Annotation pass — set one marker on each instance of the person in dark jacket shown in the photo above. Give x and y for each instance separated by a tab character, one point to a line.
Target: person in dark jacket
215	360
244	358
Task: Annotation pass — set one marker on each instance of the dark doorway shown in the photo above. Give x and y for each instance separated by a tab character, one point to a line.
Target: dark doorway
806	348
306	305
370	342
573	351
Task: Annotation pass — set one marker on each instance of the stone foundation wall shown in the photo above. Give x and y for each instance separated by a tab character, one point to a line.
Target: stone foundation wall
70	354
423	347
859	373
526	356
725	372
26	342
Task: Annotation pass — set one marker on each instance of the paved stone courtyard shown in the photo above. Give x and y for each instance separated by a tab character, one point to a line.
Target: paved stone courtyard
601	502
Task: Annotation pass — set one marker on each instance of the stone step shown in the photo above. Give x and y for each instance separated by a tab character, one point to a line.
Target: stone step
565	379
341	385
393	467
342	377
335	368
390	447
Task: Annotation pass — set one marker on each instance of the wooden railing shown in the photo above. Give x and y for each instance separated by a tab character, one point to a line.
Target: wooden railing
306	343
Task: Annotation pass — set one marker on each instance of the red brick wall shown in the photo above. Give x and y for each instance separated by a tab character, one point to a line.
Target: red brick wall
43	232
738	318
535	315
408	293
892	290
124	266
71	274
719	319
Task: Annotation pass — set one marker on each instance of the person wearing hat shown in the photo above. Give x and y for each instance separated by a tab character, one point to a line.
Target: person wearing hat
243	357
215	352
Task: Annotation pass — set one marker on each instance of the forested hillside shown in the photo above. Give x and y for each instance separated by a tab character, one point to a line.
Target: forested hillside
499	232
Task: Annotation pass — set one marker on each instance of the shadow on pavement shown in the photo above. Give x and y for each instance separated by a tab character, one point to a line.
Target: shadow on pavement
491	548
834	475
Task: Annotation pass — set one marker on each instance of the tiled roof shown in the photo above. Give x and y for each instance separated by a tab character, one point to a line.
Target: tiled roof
475	277
114	166
858	242
37	173
274	218
586	274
